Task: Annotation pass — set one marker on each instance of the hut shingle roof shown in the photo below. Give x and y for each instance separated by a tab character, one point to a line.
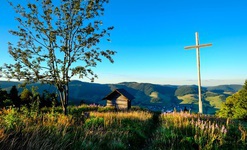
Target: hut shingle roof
121	92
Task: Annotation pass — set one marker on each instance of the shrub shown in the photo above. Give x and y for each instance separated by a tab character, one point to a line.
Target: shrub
12	120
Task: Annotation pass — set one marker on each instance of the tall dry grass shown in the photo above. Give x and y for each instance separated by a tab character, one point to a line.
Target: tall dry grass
110	130
192	131
27	130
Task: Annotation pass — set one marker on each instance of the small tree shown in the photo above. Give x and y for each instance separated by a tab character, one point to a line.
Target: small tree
241	106
235	105
228	108
26	97
47	99
13	95
4	98
57	41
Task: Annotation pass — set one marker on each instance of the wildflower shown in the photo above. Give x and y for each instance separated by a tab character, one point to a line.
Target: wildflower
216	126
212	128
225	131
202	126
222	129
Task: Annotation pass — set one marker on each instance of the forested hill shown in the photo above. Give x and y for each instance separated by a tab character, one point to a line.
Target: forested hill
148	95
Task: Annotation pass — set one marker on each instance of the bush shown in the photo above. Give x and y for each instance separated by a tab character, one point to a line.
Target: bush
12	120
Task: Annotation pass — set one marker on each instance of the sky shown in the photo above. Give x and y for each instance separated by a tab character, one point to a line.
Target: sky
150	36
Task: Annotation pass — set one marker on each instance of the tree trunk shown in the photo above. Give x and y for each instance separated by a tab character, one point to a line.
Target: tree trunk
64	94
65	110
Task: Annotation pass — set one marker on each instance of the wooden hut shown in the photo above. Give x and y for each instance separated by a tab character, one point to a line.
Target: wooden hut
119	98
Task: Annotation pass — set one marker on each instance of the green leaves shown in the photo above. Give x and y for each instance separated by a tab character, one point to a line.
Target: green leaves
235	105
54	38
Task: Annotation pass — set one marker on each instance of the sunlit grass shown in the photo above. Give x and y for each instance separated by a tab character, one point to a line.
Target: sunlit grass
215	101
112	130
192	131
87	128
188	99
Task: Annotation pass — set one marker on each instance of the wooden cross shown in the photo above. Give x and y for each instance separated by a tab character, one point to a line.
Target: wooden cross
197	47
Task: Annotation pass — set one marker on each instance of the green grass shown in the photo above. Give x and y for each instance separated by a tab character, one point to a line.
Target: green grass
157	97
212	101
228	93
185	131
104	128
188	99
215	101
53	130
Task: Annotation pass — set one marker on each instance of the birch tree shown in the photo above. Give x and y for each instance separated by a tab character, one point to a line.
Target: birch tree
58	40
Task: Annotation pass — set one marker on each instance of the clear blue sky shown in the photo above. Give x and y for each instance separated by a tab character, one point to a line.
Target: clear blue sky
150	37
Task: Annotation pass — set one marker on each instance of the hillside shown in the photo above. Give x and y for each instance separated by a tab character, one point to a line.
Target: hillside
147	95
232	88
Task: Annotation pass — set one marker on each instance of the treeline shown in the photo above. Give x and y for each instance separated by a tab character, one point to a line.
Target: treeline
27	98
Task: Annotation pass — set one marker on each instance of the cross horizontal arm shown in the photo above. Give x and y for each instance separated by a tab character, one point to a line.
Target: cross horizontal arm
197	46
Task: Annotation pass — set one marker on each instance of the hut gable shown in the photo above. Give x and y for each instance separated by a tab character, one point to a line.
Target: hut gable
119	98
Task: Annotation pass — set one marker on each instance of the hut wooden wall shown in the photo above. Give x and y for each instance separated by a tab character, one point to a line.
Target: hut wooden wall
120	102
111	103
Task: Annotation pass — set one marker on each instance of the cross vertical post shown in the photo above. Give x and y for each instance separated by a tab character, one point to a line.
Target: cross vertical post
198	46
199	74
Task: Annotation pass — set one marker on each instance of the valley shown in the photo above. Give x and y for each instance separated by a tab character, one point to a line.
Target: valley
151	96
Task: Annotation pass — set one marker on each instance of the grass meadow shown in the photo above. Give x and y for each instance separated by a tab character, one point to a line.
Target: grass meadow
93	127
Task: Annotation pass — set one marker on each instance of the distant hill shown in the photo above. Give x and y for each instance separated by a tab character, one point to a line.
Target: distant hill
7	84
152	96
188	89
232	88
